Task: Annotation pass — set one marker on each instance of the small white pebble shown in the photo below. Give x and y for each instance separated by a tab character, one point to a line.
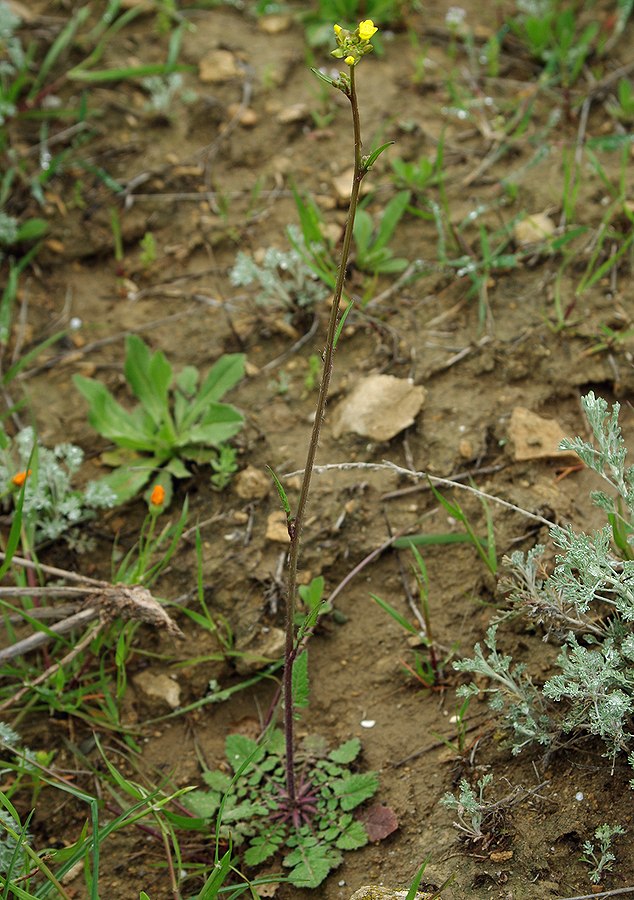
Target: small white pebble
368	723
579	796
75	323
341	883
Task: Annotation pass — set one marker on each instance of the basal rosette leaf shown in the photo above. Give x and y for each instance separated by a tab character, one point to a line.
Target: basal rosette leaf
224	375
239	748
311	862
149	375
356	788
221	422
111	420
347	752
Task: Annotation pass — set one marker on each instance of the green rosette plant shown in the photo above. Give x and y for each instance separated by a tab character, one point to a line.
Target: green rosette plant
178	420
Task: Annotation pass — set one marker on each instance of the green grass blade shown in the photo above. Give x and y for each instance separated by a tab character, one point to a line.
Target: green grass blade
25	360
62	41
105	75
413	889
391	611
425	540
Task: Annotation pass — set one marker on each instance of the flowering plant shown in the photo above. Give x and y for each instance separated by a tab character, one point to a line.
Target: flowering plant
352	45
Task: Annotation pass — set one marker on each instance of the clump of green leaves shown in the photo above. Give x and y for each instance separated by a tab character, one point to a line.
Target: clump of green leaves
250	804
177	420
587	603
417	175
553	35
600	859
372	253
52	506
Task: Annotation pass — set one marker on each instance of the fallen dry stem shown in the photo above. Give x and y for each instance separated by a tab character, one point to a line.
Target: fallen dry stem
70	656
388	466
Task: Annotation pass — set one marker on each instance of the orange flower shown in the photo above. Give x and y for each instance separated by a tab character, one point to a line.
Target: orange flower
157	497
20	477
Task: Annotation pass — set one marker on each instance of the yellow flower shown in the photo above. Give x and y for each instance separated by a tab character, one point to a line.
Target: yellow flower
366	29
20	477
349	60
337	29
157	497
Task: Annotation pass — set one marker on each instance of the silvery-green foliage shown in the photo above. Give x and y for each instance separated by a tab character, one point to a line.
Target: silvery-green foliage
512	693
587	572
472	809
165	92
598	684
587	603
608	457
9	737
602	857
536	595
52	505
8	229
13	857
283	278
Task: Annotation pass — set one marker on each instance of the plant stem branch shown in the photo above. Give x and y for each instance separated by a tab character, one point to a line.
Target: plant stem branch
296	526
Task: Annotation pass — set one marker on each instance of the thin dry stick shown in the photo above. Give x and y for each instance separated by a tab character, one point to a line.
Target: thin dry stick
51	592
43	637
459	476
294	349
399	470
77	352
614	893
77	649
53	570
364	562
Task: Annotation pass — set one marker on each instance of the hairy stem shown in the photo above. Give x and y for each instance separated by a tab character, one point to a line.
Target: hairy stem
296	526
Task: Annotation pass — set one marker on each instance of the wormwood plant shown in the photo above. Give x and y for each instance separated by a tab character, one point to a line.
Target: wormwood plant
587	604
473	810
283	278
600	858
299	800
52	506
177	420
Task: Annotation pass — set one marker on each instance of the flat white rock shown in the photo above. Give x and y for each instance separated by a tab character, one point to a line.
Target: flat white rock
379	407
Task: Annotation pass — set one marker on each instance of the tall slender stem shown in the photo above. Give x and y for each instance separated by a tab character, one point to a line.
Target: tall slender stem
296	527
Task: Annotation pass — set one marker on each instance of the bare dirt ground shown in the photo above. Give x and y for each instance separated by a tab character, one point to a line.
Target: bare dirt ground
213	177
